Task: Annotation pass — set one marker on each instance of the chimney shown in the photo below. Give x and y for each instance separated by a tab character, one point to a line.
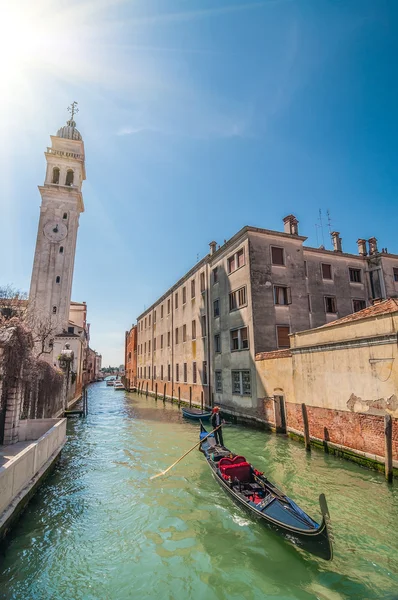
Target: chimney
362	247
290	225
372	245
336	240
213	246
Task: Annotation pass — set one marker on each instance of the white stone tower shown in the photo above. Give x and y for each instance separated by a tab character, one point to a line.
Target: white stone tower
61	205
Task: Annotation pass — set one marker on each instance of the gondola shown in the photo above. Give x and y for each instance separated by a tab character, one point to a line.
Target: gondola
252	490
195	413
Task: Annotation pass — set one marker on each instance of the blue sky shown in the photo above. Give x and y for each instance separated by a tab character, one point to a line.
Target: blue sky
198	118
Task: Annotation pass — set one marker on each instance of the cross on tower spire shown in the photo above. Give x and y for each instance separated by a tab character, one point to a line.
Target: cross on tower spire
73	109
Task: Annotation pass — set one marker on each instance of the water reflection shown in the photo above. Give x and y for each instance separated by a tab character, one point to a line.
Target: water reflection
99	528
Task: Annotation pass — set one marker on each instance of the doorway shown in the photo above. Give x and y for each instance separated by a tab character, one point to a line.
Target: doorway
280	414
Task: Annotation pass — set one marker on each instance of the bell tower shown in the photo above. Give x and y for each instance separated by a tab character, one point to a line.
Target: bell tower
61	205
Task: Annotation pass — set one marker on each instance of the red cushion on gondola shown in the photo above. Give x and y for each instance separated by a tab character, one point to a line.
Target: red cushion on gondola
238	459
225	461
240	471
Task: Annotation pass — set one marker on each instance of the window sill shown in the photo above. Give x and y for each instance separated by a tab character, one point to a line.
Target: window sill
240	350
236	309
237	269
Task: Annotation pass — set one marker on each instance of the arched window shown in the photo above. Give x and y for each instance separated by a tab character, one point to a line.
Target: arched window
55	175
69	177
58	279
54	309
65	216
61	249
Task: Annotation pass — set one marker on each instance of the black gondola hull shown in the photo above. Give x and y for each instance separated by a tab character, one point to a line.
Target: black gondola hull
316	540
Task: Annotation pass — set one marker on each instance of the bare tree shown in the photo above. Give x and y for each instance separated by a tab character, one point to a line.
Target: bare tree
15	308
13	303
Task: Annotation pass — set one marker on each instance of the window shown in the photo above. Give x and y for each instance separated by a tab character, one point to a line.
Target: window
194	330
185	372
282	295
54	309
218	381
282	336
204	373
236	261
145	348
169	372
168	338
184	295
176	336
154	317
231	264
194	373
161	311
395	273
277	256
193	288
161	342
241	384
161	372
184	333
326	271
149	372
305	269
177	372
217	343
55	175
358	305
149	321
202	282
149	347
176	300
168	306
61	249
330	304
237	299
145	322
215	275
203	325
216	308
69	177
58	279
144	372
154	371
65	216
239	339
71	330
355	275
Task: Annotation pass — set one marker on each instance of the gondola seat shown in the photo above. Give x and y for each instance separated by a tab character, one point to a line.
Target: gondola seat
235	470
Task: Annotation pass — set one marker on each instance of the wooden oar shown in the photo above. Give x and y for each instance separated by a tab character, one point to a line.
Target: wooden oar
184	455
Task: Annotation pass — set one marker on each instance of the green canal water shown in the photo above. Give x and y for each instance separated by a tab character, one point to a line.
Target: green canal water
99	529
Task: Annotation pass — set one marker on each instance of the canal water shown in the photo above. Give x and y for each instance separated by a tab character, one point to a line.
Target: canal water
99	529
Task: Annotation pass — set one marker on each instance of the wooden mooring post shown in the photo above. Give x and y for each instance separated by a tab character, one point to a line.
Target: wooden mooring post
190	396
179	396
164	393
307	442
201	400
156	391
388	447
146	392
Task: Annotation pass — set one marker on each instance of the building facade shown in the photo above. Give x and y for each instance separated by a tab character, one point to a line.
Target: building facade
200	339
130	358
345	372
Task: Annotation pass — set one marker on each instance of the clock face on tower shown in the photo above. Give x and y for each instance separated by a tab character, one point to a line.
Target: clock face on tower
55	231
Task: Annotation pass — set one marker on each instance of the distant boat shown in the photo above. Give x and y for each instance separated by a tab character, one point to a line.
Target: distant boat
110	382
118	386
196	414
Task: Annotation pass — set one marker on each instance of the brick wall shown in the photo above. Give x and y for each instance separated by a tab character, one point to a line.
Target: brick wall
354	430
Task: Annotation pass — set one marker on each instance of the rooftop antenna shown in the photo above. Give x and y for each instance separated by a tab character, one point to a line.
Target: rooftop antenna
329	221
319	226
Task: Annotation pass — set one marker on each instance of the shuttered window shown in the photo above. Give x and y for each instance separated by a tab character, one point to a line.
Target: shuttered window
282	333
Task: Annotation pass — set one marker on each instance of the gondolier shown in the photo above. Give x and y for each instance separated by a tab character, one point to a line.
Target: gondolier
216	421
